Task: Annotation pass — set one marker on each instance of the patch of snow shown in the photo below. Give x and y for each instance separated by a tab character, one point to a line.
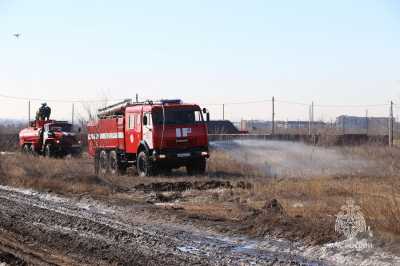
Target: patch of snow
189	249
6	153
353	252
298	205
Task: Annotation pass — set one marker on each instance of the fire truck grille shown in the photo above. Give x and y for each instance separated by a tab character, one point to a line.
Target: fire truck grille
181	143
68	140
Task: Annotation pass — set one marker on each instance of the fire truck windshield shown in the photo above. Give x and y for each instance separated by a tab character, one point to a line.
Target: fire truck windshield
60	127
177	116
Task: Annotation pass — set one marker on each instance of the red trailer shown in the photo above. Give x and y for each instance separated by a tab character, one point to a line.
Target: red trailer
152	136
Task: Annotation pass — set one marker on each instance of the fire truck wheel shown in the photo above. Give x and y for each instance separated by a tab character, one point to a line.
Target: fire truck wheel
197	167
96	164
113	163
144	165
103	162
32	150
48	151
165	171
25	149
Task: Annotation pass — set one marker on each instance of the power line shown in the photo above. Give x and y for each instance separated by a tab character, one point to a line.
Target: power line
56	100
350	106
304	104
294	103
221	103
245	102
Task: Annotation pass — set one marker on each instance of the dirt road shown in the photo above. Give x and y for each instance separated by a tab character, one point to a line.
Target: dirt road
46	230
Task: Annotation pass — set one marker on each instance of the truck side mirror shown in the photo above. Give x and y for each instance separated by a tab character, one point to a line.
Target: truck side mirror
208	117
204	110
145	120
79	130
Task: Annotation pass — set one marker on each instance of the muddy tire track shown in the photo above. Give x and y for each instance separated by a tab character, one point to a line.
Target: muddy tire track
75	235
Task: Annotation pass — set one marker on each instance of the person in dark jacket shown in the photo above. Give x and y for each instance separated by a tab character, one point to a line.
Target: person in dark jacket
44	112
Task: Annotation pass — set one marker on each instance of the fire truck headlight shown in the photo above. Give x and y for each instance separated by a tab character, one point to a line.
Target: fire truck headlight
162	156
204	153
79	142
57	141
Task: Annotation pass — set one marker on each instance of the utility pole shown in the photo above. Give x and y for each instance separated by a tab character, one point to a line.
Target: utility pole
137	97
391	125
73	114
312	123
273	115
223	111
312	118
309	120
366	122
29	113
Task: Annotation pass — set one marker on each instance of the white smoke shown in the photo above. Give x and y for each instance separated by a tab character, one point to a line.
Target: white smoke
295	159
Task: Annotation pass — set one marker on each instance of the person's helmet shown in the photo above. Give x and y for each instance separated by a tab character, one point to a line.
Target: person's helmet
44	104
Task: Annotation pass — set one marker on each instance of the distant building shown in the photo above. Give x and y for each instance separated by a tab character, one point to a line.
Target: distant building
352	122
372	125
261	125
255	125
304	124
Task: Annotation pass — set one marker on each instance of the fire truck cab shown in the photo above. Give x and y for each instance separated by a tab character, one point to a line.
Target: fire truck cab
50	138
152	136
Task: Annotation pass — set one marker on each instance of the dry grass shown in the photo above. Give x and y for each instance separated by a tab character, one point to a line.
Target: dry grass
223	164
60	176
310	205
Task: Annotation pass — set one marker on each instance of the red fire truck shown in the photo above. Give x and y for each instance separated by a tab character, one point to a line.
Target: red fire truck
50	138
152	136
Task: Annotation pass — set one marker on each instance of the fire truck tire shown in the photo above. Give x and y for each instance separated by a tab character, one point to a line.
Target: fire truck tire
165	171
114	164
96	164
32	150
144	165
197	167
25	149
48	151
103	162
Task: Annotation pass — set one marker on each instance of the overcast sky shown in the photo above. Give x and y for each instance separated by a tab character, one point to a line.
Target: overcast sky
337	52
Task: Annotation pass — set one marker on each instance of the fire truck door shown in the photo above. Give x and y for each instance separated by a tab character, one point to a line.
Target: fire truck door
148	129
